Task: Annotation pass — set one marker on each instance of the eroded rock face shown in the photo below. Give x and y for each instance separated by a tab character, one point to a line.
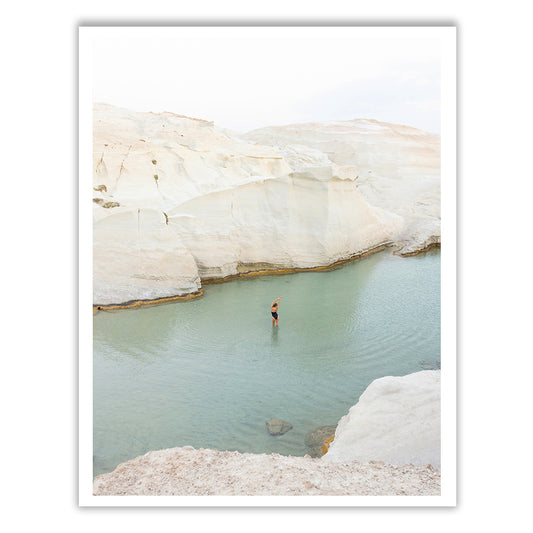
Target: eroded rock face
275	426
150	265
397	167
178	200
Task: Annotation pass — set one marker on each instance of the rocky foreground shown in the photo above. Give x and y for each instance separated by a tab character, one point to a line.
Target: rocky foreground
388	444
189	472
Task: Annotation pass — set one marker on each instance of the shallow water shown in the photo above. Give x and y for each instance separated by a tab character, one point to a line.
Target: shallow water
209	372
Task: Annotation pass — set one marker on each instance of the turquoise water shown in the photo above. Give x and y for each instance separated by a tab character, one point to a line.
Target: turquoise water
209	372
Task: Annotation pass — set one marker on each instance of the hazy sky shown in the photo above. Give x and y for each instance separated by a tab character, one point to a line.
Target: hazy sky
246	78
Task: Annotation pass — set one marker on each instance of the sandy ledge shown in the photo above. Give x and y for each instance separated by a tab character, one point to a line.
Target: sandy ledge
186	471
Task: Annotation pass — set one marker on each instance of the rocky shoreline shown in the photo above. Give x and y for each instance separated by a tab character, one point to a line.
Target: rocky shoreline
387	444
265	272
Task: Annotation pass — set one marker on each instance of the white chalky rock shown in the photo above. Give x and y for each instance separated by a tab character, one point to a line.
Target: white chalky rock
143	265
178	200
398	167
396	420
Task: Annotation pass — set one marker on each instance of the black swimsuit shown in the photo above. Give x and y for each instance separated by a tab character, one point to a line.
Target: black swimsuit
274	314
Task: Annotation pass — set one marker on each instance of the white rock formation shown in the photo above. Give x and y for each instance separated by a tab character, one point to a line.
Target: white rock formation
145	264
396	420
178	200
398	167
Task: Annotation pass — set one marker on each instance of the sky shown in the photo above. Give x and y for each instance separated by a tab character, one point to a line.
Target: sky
247	78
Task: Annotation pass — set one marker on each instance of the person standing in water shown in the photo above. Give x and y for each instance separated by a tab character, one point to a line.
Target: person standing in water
274	310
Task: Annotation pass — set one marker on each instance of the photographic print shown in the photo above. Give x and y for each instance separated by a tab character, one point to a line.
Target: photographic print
267	315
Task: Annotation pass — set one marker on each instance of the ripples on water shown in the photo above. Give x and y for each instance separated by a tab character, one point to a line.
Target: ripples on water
210	372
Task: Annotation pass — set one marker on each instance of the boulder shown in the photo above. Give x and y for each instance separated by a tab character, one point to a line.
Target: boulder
396	420
319	435
318	440
276	426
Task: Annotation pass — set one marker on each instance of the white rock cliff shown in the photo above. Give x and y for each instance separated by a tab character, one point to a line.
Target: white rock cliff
178	200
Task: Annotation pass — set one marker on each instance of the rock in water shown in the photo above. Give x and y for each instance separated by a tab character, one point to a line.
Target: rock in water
315	440
319	435
276	426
